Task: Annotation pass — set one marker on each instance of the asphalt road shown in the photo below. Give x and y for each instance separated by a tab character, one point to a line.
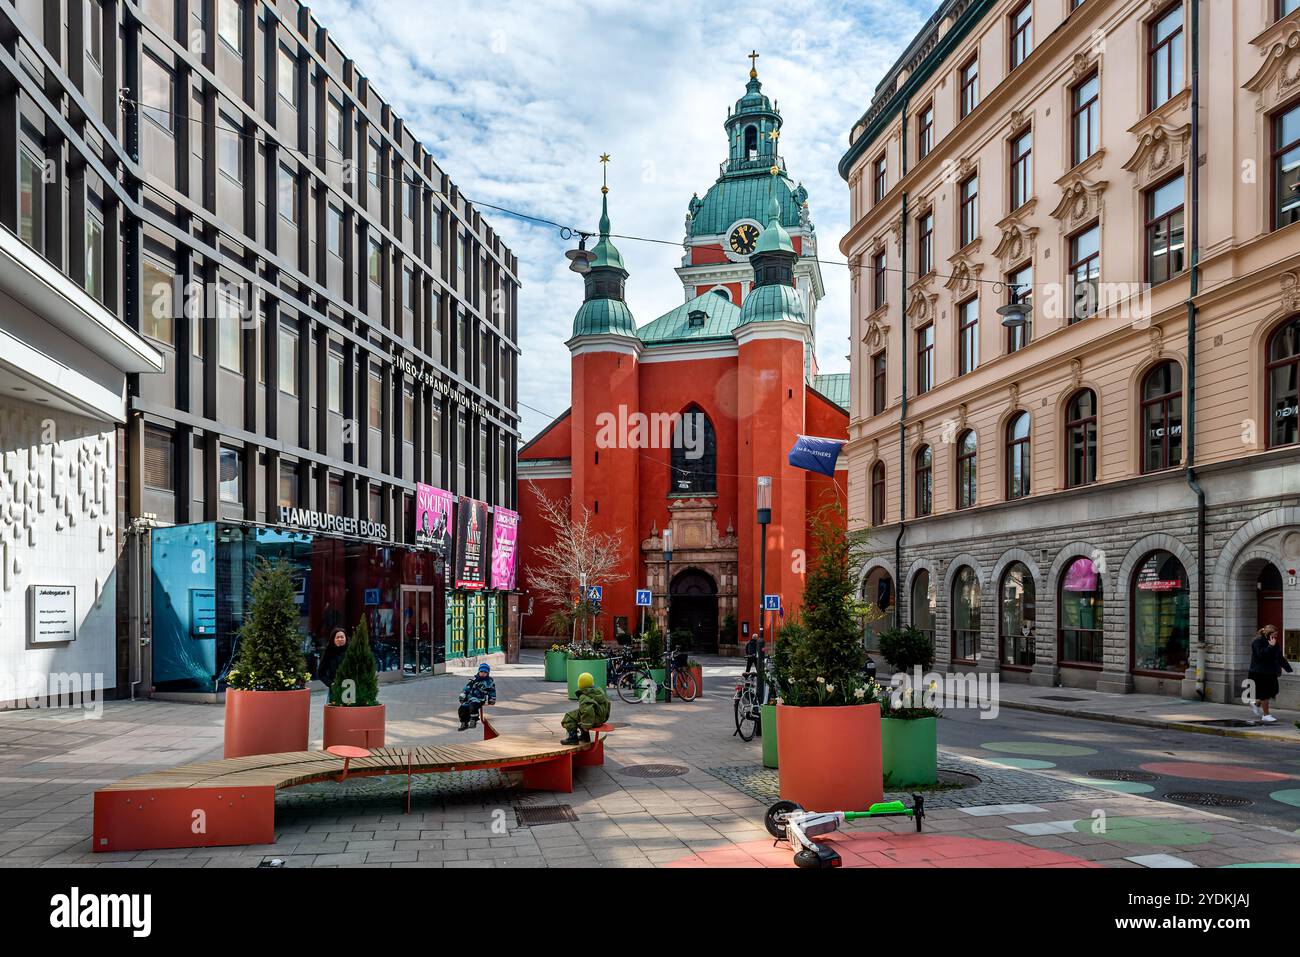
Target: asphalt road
1027	736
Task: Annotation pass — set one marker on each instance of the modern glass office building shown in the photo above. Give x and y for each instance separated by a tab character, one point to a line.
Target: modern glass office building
337	322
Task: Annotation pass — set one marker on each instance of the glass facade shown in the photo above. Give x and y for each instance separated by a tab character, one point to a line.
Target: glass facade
1018	614
1161	605
1081	608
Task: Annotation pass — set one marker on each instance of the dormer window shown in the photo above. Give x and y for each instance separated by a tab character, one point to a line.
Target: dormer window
695	318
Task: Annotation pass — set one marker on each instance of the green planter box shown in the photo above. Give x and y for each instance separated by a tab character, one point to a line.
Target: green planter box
576	666
661	676
909	752
767	724
555	669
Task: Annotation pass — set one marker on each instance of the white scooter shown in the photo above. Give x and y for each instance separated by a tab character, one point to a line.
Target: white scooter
789	822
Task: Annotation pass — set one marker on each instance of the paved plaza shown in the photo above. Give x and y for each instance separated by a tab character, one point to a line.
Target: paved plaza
677	789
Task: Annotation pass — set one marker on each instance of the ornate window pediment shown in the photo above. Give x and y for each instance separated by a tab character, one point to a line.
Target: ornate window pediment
965	271
1161	150
1081	197
1279	76
877	333
1291	291
921	305
1018	238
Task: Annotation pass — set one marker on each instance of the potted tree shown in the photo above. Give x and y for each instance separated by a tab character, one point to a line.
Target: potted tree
828	719
353	714
268	703
909	726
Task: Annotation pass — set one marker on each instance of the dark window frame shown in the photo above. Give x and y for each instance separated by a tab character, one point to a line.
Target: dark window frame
879	279
1278	151
1021	169
925	358
1020	38
1153	222
879	382
925	131
923	477
1084	264
968	336
1165	403
1088	110
1270	365
967	469
1019	451
1170	49
925	243
1086	424
968	95
878	493
969	210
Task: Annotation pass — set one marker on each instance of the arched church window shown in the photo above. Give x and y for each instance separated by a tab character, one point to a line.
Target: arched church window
694	454
751	141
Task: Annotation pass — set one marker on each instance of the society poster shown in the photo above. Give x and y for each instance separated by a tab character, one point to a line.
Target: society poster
471	543
435	510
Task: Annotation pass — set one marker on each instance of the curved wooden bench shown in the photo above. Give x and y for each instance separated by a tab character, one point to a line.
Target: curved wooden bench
232	801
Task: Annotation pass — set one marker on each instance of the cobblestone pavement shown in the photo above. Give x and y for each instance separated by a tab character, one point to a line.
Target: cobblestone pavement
51	763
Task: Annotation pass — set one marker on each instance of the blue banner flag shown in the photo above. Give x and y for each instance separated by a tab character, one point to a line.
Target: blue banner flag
813	453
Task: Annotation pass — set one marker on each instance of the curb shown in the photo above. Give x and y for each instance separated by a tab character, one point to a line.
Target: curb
1151	723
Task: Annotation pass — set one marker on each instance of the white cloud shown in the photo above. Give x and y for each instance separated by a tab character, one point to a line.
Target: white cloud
518	99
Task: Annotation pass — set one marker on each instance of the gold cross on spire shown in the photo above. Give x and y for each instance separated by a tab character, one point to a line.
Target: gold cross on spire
604	171
753	64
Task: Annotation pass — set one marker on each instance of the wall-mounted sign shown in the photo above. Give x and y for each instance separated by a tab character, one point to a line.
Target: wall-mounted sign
339	524
203	612
505	540
424	375
371	596
54	613
472	543
435	511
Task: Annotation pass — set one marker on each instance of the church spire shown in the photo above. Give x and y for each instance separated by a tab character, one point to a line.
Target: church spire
605	252
603	310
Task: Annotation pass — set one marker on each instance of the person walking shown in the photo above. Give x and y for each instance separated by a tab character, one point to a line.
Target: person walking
1266	662
332	656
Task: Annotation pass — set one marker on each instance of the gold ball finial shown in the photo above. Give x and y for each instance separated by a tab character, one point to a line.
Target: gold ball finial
753	64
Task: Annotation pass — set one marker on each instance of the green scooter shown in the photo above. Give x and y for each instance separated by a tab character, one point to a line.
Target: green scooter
788	821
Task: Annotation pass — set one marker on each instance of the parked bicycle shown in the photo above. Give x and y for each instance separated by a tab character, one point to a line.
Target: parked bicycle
638	685
619	664
745	703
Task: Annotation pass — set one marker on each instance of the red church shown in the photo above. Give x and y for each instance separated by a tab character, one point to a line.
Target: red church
672	422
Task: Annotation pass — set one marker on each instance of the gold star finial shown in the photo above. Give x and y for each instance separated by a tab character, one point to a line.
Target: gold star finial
774	135
753	64
604	170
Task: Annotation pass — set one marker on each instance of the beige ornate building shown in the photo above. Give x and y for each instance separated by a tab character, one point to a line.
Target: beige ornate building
1108	495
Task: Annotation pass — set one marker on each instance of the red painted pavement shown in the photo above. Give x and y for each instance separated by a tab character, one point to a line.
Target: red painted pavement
1212	772
892	850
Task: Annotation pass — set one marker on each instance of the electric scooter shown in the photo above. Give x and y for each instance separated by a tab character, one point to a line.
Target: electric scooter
788	821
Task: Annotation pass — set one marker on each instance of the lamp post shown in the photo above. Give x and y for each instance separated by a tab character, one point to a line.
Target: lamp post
582	603
764	502
668	584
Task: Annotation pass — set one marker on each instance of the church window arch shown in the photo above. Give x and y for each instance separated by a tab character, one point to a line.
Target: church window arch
694	454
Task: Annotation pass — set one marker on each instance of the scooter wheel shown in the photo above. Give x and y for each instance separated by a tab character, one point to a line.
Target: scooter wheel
774	819
807	858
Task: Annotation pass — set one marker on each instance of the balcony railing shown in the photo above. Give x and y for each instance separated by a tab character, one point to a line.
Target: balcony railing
762	161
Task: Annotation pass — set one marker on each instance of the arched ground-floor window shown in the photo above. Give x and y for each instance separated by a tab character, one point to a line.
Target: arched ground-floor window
1160	615
1016	596
878	594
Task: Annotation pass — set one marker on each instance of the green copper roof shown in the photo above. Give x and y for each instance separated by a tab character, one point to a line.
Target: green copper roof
771	303
835	386
774	238
720	317
604	316
605	252
745	197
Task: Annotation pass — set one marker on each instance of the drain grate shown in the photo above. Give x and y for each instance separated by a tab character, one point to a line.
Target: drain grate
1057	697
544	814
1123	774
1208	799
655	770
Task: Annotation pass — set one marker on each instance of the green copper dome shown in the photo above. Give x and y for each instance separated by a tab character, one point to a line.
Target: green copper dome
604	311
774	303
604	317
606	252
774	238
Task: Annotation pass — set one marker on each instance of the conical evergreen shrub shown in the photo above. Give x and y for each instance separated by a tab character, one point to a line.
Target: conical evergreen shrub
356	683
269	655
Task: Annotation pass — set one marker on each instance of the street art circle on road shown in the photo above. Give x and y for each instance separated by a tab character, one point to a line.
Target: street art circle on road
1288	796
1213	772
1025	764
1140	830
1123	787
1038	747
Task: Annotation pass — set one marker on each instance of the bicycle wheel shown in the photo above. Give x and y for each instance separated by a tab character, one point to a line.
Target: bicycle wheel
636	687
684	685
746	719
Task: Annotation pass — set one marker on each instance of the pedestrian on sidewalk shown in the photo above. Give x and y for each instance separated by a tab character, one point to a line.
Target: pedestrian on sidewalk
332	656
480	690
1266	662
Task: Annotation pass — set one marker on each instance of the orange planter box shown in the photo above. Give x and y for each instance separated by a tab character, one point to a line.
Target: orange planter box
361	727
266	722
830	757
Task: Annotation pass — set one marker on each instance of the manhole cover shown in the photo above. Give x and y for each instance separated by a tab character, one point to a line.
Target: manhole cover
655	770
1208	799
1058	697
1124	774
544	814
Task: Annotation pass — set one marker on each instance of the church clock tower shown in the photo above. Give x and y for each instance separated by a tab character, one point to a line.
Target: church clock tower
723	228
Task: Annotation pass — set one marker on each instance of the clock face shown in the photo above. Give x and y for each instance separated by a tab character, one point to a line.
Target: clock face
744	238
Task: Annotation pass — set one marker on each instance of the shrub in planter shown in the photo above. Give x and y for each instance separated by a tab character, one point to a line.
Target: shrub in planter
353	714
580	657
909	738
828	719
556	656
652	644
907	648
268	704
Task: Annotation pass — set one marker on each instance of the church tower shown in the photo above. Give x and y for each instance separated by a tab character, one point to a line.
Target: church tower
605	381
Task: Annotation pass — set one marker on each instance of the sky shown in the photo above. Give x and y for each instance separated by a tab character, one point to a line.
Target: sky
518	99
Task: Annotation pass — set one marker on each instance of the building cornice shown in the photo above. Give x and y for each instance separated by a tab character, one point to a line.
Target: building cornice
688	351
605	342
773	329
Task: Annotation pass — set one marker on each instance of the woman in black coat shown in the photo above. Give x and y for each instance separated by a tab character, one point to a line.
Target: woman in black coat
332	656
1266	662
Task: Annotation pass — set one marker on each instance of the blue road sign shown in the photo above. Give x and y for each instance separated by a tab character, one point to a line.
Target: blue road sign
595	593
643	597
771	603
372	596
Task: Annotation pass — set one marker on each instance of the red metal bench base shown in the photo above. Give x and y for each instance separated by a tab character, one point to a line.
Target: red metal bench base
183	817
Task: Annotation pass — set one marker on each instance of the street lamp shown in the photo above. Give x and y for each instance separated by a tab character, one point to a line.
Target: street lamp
582	603
668	584
1015	314
763	500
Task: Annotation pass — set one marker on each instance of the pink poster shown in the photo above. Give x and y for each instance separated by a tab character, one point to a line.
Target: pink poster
505	538
433	518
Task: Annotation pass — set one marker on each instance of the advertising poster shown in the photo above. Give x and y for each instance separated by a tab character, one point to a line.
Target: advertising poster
505	539
434	518
471	543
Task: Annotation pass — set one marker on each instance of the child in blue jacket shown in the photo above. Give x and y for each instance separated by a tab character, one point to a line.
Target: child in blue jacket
480	690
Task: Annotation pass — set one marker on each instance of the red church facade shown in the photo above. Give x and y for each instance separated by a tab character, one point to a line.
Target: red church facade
672	422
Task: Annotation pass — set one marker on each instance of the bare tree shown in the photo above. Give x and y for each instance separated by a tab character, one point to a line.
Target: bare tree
576	551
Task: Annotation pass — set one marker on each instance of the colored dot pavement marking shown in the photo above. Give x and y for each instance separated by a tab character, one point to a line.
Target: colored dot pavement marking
1137	830
1199	771
1288	796
1025	764
1038	747
1123	787
892	850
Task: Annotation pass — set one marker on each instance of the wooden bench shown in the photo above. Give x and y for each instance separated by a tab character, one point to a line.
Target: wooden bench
232	801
